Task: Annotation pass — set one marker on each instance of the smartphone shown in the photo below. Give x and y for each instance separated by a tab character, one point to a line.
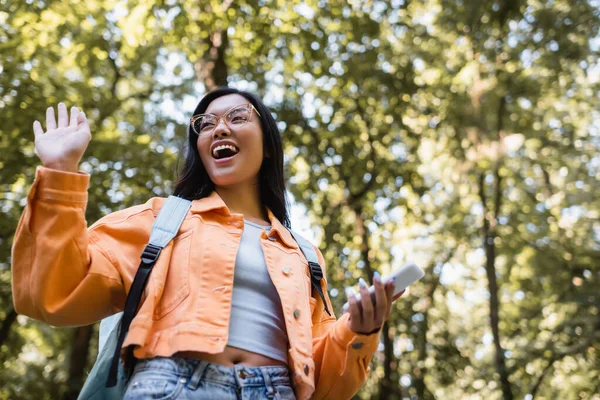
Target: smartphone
406	275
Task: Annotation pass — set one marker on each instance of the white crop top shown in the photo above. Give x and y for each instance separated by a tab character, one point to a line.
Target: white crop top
257	322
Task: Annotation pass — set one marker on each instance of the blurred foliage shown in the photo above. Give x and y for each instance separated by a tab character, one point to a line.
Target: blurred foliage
463	134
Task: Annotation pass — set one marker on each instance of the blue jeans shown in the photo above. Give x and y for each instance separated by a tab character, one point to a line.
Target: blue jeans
188	378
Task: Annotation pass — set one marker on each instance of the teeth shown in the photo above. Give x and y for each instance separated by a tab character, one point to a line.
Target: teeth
222	147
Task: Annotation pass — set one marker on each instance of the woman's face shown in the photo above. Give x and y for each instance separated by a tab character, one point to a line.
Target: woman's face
231	166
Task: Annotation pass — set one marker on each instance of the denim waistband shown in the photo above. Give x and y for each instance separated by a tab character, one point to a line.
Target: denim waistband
195	371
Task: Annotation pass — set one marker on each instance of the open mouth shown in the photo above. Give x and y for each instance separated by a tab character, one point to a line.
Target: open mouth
224	151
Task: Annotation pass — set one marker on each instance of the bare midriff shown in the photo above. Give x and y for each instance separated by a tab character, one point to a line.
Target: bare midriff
232	356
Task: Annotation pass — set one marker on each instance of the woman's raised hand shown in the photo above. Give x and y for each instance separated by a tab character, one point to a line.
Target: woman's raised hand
62	146
367	316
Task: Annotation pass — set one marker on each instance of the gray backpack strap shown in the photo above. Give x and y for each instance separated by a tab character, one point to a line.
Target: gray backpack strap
316	272
169	220
307	248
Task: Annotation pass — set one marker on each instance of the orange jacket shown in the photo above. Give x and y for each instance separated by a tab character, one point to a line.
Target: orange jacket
67	275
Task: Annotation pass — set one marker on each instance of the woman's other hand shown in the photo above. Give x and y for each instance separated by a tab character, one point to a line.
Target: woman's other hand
368	316
62	145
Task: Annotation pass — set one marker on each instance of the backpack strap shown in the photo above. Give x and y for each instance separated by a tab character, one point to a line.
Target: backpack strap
165	227
316	272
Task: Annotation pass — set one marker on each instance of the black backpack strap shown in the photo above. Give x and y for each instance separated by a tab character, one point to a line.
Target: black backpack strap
316	272
164	229
149	257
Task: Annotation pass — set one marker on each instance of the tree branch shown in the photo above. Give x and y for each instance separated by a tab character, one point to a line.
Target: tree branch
576	348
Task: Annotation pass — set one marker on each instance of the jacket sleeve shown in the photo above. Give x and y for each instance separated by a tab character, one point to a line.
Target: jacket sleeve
341	356
59	273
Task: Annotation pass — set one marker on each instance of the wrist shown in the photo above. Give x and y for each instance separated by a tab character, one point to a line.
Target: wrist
375	331
74	168
359	343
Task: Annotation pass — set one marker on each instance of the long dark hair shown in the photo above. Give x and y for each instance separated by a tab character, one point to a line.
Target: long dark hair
194	183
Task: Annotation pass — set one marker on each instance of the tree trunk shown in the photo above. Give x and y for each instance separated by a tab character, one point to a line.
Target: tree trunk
361	230
490	269
489	234
11	317
211	69
387	389
420	370
78	360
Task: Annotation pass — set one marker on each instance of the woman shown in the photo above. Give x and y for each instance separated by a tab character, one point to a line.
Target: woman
228	311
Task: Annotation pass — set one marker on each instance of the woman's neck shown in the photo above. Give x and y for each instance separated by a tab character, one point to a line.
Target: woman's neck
244	199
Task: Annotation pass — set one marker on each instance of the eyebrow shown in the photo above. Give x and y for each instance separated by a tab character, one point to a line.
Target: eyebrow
228	109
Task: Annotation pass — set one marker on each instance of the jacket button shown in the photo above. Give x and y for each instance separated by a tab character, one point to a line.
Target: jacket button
306	370
286	270
296	313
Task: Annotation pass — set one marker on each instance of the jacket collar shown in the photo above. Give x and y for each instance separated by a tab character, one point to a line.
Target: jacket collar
283	233
213	202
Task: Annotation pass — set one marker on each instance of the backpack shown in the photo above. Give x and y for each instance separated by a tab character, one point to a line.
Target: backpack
109	376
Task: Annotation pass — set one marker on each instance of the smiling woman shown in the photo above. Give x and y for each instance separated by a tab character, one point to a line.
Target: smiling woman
231	311
241	134
258	163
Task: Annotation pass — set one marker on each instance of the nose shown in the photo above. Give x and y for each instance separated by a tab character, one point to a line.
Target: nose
221	129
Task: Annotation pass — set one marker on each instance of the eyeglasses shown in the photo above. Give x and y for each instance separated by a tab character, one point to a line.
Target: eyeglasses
236	117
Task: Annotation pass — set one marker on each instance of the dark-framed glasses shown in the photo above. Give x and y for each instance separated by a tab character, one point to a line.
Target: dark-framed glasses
236	117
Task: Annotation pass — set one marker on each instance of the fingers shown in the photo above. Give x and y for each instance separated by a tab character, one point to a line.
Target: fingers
396	297
50	119
368	312
381	299
368	315
82	123
354	311
37	129
77	119
389	288
389	291
74	116
63	117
